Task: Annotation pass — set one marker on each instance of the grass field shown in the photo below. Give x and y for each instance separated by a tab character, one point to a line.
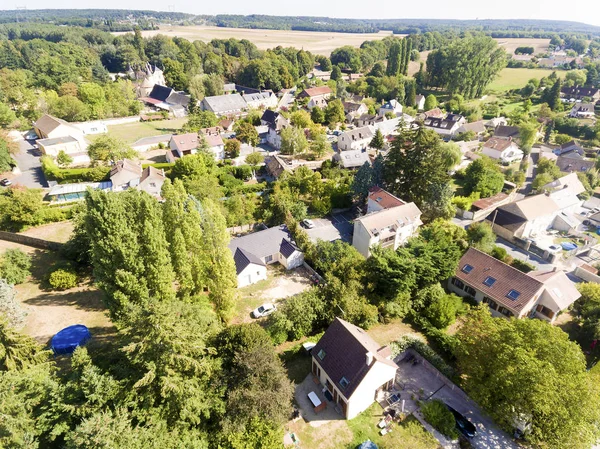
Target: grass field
317	42
511	44
130	132
517	78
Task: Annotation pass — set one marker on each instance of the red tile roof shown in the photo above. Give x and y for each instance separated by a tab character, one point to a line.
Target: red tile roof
316	91
384	198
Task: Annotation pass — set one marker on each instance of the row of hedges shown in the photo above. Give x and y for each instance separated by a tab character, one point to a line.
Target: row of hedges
415	343
53	172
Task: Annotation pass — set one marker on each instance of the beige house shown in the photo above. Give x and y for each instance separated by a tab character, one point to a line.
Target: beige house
253	252
215	143
182	145
509	292
447	126
317	96
128	174
389	228
352	367
56	135
152	181
503	150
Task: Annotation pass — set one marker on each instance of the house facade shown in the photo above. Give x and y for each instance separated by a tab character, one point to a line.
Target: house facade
261	100
503	150
446	127
352	159
580	93
582	110
352	367
420	102
317	96
380	199
262	248
56	135
392	107
509	292
212	137
182	145
275	122
355	139
388	228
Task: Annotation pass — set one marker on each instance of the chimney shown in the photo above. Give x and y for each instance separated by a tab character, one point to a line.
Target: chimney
369	359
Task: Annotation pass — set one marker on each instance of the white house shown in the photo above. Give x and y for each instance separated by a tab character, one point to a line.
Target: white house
447	126
128	174
355	139
583	110
56	135
253	252
276	122
389	228
503	150
391	106
420	102
317	96
182	145
352	366
212	137
261	100
91	128
509	292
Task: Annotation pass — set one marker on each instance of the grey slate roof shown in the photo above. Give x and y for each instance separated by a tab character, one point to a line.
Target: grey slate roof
56	141
224	103
243	258
265	243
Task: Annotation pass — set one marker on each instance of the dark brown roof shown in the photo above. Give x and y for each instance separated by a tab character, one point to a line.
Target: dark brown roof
569	164
384	198
506	131
486	203
506	278
345	347
580	91
498	144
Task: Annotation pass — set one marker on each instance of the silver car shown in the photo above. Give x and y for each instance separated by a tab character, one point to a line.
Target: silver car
264	310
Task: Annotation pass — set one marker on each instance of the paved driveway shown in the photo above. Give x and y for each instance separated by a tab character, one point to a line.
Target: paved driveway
518	253
28	161
417	378
336	227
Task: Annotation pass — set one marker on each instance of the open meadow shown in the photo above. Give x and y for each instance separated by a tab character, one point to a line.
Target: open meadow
517	78
322	43
512	43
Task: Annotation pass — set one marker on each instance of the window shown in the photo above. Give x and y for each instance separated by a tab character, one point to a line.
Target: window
489	281
490	302
514	295
268	259
321	354
467	268
504	311
545	311
470	290
344	382
457	282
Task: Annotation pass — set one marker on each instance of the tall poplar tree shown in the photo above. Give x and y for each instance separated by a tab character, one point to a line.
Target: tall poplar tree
393	59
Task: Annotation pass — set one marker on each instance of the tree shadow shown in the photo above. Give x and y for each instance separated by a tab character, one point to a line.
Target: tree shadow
87	300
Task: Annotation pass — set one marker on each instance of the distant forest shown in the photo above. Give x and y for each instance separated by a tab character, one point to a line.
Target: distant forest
125	20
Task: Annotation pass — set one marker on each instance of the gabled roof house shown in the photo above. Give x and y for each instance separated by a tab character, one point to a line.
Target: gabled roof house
509	292
253	252
352	367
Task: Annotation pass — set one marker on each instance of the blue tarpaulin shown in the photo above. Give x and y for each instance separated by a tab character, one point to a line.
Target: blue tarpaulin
567	246
368	445
67	340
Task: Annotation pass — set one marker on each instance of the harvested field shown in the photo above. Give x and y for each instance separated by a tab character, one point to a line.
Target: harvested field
511	44
317	42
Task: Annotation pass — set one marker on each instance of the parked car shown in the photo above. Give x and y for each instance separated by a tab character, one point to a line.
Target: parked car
5	182
554	249
308	224
464	426
264	310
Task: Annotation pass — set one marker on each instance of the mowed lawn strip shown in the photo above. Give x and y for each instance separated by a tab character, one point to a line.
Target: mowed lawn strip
517	78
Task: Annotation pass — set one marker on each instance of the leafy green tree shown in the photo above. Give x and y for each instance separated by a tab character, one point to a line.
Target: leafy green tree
293	141
258	434
481	236
363	181
549	167
319	145
527	134
199	120
334	112
7	116
107	149
63	159
394	59
541	179
377	140
246	133
484	177
336	73
430	102
6	151
317	115
232	148
175	75
410	94
20	207
553	96
502	359
442	311
15	266
255	159
437	414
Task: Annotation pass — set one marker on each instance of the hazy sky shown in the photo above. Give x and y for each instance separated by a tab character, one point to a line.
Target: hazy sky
587	11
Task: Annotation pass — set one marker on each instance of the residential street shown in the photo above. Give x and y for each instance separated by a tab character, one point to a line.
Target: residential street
28	161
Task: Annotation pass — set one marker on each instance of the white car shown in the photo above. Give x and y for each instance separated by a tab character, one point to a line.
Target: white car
264	310
308	224
554	249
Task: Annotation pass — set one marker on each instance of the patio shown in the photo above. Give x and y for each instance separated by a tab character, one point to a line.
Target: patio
329	413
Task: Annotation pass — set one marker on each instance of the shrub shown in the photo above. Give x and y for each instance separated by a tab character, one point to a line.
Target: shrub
442	312
15	266
523	266
499	253
62	279
10	307
437	414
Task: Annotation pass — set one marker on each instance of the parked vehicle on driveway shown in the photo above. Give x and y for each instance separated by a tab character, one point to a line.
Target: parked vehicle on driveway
264	310
308	224
5	182
464	426
554	249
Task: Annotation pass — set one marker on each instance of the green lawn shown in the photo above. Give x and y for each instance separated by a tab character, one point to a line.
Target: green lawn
130	132
517	78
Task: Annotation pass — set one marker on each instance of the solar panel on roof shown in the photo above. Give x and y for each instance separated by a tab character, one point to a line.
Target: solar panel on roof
489	281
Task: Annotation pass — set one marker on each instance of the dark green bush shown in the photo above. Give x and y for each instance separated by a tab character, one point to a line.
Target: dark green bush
15	266
437	414
523	266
